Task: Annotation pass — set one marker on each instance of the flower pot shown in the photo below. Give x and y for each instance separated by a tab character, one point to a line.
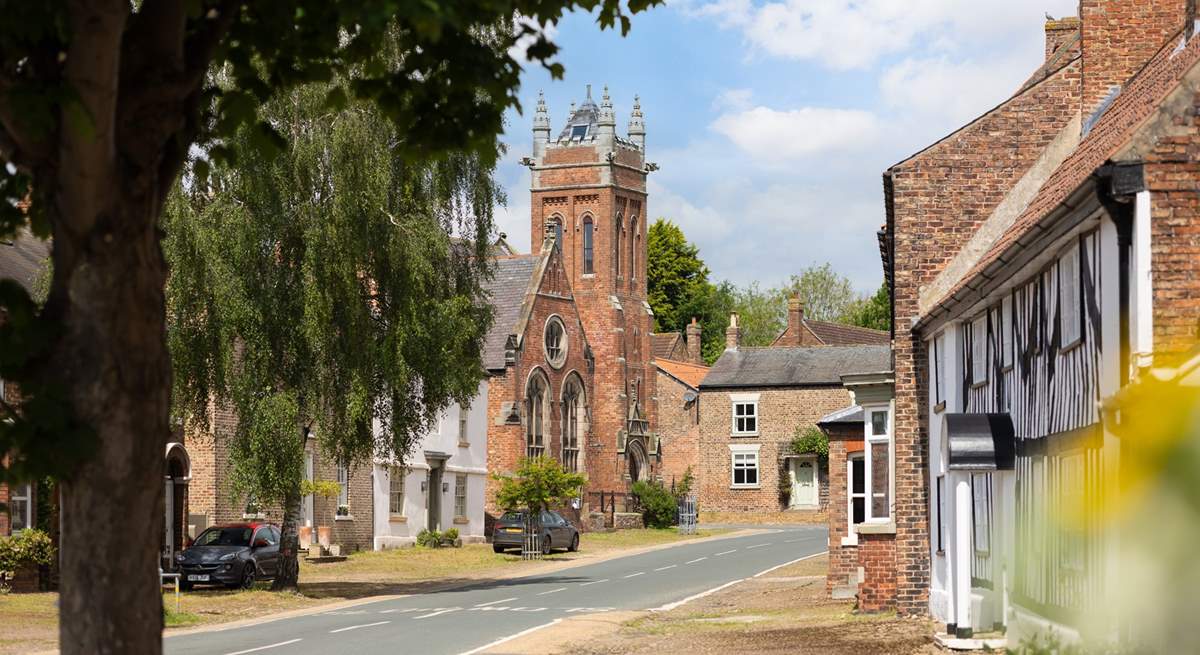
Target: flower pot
305	536
324	535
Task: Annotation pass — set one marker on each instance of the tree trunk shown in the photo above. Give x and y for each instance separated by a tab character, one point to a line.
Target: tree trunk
288	577
111	358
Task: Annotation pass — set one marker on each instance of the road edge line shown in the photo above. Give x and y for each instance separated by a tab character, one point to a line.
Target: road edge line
679	603
504	640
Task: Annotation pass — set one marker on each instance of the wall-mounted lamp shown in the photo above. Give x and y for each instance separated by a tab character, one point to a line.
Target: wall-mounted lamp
424	485
445	487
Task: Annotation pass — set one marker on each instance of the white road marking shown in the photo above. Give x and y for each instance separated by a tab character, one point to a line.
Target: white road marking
634	575
509	638
698	559
440	610
552	591
255	650
725	552
758	545
670	606
355	627
664	568
496	602
584	584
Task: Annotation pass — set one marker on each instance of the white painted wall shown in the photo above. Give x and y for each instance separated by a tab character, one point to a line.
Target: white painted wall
392	531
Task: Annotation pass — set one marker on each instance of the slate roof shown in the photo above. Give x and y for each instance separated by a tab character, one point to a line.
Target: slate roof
686	372
1139	98
851	414
795	367
507	291
22	259
837	334
585	118
662	345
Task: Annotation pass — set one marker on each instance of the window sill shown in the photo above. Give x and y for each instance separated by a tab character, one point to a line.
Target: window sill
1065	348
978	385
344	517
737	487
461	520
850	541
588	276
742	435
875	528
398	518
464	444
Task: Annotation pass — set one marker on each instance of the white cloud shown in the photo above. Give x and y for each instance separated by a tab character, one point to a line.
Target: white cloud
774	136
854	34
733	99
954	91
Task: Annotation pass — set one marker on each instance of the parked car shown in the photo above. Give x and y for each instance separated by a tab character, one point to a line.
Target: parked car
557	532
234	555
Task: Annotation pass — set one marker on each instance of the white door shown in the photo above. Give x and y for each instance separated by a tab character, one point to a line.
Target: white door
804	483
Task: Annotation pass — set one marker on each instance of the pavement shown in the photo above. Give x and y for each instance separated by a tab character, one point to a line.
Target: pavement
476	617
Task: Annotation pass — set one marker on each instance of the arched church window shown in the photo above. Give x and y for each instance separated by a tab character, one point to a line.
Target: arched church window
572	425
554	340
634	241
535	408
588	228
620	227
558	232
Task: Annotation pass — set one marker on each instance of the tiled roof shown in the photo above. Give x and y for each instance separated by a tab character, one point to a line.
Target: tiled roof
851	414
686	372
23	258
1138	100
836	334
507	291
791	367
662	345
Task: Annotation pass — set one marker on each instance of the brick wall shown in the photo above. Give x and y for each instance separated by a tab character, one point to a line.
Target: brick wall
939	198
678	427
843	560
780	412
878	558
1171	173
1119	37
1060	32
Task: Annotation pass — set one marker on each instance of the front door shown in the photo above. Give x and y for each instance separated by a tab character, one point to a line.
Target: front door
804	483
433	505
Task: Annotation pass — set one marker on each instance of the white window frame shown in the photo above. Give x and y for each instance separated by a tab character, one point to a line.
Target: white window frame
1070	305
940	500
463	435
1007	341
979	350
852	535
561	347
938	344
24	493
397	479
460	493
981	513
871	438
744	400
343	480
745	453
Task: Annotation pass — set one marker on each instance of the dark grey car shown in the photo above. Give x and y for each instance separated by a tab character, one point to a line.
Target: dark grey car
233	555
557	533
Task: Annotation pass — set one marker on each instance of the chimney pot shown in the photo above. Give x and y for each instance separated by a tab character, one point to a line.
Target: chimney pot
693	342
795	329
733	333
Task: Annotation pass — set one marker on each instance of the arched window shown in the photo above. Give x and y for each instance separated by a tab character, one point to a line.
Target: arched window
554	341
558	232
588	228
535	415
573	414
620	227
634	241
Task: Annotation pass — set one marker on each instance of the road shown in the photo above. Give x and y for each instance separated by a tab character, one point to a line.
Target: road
468	619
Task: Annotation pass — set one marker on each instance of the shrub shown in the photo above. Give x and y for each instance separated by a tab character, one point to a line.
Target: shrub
811	440
25	547
323	488
539	484
658	505
429	538
450	535
684	486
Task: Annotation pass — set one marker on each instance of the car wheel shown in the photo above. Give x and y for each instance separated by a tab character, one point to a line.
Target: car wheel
574	543
497	549
247	576
546	545
185	586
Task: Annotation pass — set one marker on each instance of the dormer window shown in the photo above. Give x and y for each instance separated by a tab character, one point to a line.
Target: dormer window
578	132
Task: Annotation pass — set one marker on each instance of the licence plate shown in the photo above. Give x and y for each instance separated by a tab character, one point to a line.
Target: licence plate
197	578
512	529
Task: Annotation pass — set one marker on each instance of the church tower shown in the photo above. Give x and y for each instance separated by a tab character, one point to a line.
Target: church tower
589	184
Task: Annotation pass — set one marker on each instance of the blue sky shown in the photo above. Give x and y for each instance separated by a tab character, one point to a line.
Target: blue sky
773	121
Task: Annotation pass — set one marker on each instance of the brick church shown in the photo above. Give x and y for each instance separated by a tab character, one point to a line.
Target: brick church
569	359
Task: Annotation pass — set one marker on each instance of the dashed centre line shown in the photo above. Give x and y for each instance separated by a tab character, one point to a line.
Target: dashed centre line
584	584
725	552
634	575
438	612
664	568
698	559
552	591
255	650
758	545
355	627
496	602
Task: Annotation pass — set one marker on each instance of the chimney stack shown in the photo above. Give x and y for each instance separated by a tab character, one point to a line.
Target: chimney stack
1059	32
733	333
693	342
1120	36
795	329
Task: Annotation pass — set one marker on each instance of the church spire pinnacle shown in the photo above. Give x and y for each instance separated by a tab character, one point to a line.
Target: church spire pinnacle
637	126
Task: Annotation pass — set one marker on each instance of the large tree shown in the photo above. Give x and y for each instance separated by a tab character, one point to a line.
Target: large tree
874	311
827	294
325	290
100	104
676	277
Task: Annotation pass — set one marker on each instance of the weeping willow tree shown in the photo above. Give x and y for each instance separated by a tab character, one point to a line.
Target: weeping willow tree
332	290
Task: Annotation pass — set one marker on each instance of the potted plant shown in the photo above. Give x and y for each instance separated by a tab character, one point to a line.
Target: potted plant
253	510
450	538
343	510
305	535
329	490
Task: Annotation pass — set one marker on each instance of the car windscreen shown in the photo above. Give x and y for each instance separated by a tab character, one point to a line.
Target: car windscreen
224	537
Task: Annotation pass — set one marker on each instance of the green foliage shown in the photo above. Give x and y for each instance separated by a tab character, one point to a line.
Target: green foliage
684	485
873	312
429	538
327	489
450	535
811	440
677	279
29	546
538	484
658	505
827	295
1050	644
